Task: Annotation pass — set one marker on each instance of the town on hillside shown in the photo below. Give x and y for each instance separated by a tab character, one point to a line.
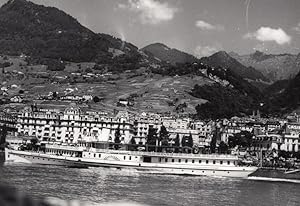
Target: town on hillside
261	141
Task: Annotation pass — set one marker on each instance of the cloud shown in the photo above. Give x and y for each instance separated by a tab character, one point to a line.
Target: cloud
150	11
297	28
268	34
204	51
207	26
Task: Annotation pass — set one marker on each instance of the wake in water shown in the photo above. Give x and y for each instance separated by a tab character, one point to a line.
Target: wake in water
271	179
59	202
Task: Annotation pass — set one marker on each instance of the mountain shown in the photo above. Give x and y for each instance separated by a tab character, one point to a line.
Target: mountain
222	59
291	96
226	93
164	53
47	32
274	67
288	99
229	96
276	88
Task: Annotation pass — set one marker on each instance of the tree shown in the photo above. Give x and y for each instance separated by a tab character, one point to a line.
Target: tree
96	99
151	138
164	136
133	146
88	70
191	142
117	139
213	142
223	148
55	95
3	133
132	141
33	143
242	139
187	142
177	143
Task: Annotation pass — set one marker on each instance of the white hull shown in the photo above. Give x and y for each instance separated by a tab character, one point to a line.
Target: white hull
153	168
19	157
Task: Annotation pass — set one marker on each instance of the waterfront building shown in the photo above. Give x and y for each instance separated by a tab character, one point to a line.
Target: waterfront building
176	123
73	125
267	142
198	139
273	126
141	126
205	129
291	137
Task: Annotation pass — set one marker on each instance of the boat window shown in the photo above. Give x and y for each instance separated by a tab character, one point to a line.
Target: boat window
129	157
147	159
179	160
166	159
99	155
214	161
94	155
193	161
172	160
159	159
200	161
206	161
124	157
221	162
228	162
186	161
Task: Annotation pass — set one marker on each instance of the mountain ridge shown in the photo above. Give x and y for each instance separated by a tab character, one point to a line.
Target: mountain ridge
223	59
167	54
47	32
274	66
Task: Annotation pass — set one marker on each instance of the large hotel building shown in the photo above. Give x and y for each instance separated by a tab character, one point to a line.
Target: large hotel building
75	126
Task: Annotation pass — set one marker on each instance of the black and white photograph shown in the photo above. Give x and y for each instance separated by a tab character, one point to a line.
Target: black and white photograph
149	102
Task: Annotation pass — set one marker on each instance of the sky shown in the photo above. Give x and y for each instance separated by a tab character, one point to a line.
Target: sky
199	27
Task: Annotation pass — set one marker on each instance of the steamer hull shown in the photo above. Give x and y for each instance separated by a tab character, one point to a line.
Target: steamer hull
141	162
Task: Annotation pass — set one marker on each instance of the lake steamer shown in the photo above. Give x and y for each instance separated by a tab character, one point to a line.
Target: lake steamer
149	162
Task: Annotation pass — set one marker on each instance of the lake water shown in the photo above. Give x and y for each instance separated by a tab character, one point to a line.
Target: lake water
99	186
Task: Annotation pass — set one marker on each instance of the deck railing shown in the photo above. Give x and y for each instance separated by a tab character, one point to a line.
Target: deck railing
140	153
162	154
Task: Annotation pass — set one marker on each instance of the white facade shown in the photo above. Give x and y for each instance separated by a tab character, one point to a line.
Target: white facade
291	137
73	126
142	124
